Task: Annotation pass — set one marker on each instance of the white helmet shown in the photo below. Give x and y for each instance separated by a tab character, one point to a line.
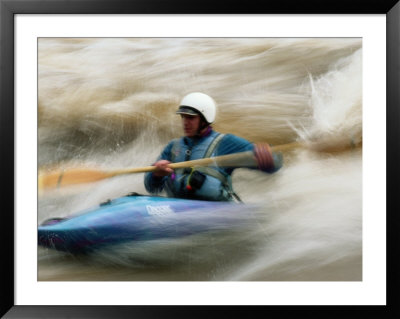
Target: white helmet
198	103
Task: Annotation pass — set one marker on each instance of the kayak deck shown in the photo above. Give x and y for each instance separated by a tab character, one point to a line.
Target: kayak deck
132	218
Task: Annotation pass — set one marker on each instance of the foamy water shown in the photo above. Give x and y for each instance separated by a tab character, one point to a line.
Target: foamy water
112	102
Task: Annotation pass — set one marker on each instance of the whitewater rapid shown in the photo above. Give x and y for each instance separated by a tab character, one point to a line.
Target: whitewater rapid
111	102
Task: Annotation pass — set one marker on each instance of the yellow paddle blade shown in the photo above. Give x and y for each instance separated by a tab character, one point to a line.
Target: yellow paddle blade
70	177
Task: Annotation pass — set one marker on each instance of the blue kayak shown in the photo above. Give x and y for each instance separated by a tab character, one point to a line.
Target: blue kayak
135	218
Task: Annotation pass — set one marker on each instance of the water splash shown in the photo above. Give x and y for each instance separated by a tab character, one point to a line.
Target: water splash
112	102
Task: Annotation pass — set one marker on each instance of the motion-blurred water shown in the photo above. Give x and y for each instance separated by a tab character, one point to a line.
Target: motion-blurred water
111	102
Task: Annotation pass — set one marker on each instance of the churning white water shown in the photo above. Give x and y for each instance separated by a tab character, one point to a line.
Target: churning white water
111	102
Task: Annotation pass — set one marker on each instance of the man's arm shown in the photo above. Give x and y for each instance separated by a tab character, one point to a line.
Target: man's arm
154	181
267	160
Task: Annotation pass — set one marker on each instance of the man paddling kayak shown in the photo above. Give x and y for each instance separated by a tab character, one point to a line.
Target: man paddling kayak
198	112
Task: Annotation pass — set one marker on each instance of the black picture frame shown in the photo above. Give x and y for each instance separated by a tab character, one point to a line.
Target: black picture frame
8	10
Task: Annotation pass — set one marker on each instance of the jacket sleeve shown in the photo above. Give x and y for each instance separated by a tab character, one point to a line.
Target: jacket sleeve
278	162
233	144
154	184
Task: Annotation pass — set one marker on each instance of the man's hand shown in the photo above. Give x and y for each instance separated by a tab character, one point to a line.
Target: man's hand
263	154
162	168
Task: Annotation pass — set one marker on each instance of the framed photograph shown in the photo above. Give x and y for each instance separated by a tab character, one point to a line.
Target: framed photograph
96	85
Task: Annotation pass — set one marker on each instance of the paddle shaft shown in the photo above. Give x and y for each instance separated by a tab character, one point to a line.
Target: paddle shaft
88	175
236	159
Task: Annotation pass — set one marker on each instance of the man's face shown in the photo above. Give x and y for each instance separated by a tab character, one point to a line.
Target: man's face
190	124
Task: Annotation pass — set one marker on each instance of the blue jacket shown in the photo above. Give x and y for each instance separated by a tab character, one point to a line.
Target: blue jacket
208	183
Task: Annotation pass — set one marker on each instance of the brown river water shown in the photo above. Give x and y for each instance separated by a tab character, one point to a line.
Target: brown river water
111	102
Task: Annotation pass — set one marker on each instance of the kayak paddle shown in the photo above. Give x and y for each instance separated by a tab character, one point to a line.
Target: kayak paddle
87	175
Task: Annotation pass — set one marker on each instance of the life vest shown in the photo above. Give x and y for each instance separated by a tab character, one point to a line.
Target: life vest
207	183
